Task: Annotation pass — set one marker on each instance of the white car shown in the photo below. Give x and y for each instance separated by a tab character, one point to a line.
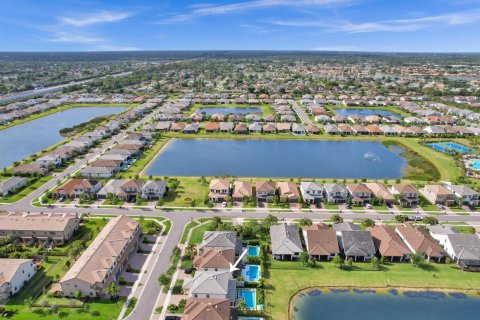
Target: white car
368	206
224	204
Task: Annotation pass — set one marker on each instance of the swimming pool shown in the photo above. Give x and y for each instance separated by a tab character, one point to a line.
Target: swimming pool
253	251
249	296
251	272
448	147
476	164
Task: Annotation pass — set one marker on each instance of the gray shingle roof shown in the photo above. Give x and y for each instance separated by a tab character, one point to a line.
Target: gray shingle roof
358	243
285	239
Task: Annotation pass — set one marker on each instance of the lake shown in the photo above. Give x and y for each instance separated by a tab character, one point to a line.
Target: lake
371	306
363	112
227	110
277	158
23	140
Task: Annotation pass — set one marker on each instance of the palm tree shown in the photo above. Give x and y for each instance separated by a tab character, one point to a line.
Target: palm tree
113	290
191	250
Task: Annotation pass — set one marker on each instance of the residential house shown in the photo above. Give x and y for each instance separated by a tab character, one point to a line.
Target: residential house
357	245
191	128
30	169
359	193
220	240
242	190
11	185
206	309
288	191
298	129
286	243
321	243
438	194
219	190
97	172
418	240
389	244
336	193
312	192
241	128
211	285
212	127
440	232
215	260
312	129
226	126
255	127
407	194
269	128
104	259
56	227
464	194
77	188
344	226
14	274
381	192
265	190
465	250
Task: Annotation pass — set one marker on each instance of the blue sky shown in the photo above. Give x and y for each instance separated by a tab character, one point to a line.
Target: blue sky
346	25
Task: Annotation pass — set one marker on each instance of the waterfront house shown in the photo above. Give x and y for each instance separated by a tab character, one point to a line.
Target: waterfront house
212	127
78	187
321	243
104	259
312	192
97	172
418	240
191	128
242	190
298	129
220	240
389	244
11	185
286	243
438	194
465	250
381	192
218	117
336	193
178	127
464	194
241	128
440	232
30	169
345	129
357	245
255	128
205	309
226	126
374	129
211	284
45	227
344	226
269	128
331	129
214	260
14	274
288	191
359	193
265	190
219	190
115	165
283	127
360	130
312	129
407	194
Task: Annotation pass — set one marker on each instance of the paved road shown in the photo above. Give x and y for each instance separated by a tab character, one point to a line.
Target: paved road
300	113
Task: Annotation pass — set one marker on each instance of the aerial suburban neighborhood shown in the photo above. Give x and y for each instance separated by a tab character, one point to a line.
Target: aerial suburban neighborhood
239	160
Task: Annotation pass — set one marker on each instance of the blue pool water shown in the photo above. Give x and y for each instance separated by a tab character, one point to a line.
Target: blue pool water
448	147
250	297
253	251
476	164
251	272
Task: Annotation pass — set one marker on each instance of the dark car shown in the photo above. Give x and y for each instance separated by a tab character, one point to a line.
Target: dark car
188	270
172	318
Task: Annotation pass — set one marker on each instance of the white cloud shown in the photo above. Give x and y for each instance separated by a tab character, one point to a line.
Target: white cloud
95	18
75	38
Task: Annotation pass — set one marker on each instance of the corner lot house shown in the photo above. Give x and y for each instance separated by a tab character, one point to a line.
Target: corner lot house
77	187
438	194
418	240
322	243
358	245
465	250
56	227
214	260
103	260
389	244
14	273
220	240
312	192
11	185
286	244
203	309
219	190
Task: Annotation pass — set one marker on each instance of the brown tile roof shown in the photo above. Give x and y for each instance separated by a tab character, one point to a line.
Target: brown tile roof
317	226
73	184
219	184
288	189
212	126
373	129
388	241
207	309
242	189
405	188
358	188
322	242
265	186
215	258
420	240
379	190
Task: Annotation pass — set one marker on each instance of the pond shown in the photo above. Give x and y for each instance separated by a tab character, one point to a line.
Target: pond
227	110
363	112
372	306
23	140
277	158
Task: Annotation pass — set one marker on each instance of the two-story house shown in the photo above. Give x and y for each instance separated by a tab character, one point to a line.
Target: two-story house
359	193
219	190
265	190
465	195
335	193
312	192
407	194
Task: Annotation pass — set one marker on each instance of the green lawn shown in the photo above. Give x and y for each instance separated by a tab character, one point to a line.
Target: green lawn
197	233
25	191
188	187
287	278
189	226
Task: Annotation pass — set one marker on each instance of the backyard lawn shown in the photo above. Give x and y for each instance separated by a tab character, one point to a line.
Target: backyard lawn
25	191
287	278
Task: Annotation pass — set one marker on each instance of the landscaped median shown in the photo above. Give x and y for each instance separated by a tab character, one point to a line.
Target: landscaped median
286	279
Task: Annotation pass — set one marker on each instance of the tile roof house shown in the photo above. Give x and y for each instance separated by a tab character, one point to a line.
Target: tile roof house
212	127
208	309
265	190
312	192
408	194
438	194
242	189
357	245
211	284
418	240
78	187
381	192
220	240
103	260
465	194
286	243
345	226
389	244
336	193
14	273
214	259
359	193
465	250
321	243
219	190
288	191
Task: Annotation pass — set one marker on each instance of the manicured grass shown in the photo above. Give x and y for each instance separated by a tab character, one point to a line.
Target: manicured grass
197	233
465	229
189	226
426	205
25	191
287	278
138	166
188	187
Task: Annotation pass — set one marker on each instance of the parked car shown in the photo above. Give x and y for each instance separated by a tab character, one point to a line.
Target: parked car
368	206
224	204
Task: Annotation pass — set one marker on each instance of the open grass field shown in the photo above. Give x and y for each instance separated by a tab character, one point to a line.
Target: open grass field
287	278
